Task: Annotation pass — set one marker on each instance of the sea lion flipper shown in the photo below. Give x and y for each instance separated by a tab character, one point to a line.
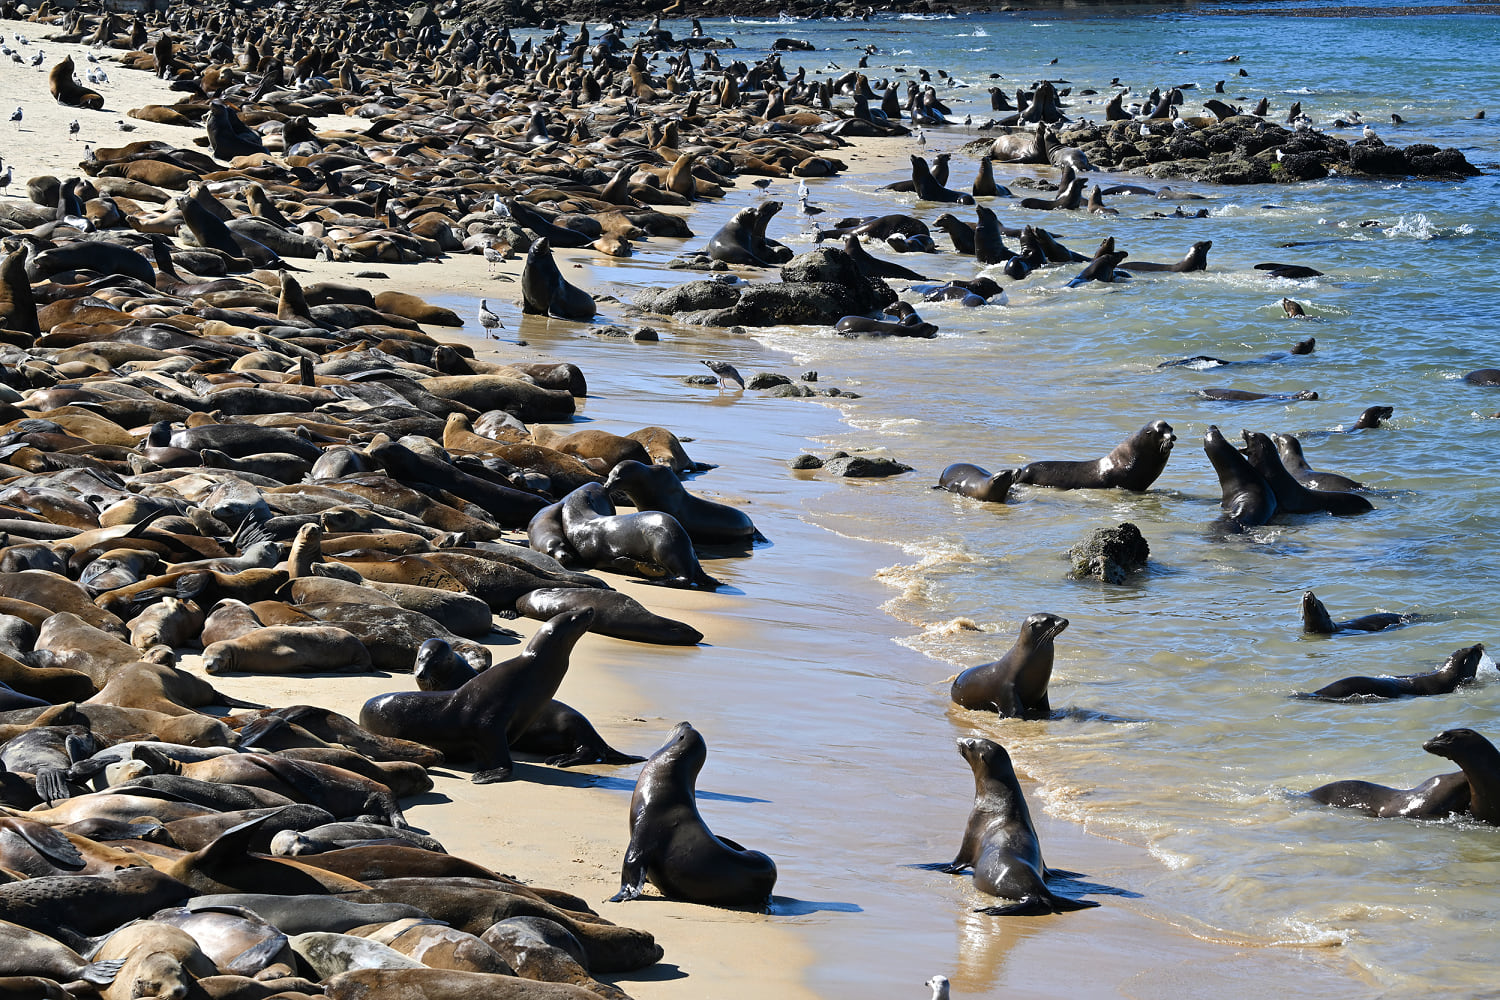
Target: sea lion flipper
52	784
102	973
632	874
49	843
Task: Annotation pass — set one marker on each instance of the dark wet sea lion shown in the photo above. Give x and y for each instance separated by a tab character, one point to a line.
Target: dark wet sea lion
481	719
1000	844
1291	496
615	614
656	487
544	290
976	483
928	189
734	243
564	737
650	543
1248	396
1371	417
74	908
1481	766
911	325
1460	666
1100	268
1317	621
1134	464
1247	498
1292	458
1016	684
672	846
1439	796
1196	259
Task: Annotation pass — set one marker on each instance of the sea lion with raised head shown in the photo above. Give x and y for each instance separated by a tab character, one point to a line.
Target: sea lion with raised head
1000	844
1291	496
1016	684
544	290
976	483
1246	497
734	243
650	543
1292	458
1134	464
656	487
1317	621
673	847
480	720
1461	666
1481	766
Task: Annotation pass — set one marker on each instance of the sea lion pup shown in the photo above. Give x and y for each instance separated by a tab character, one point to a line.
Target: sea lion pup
1481	766
65	89
1291	496
976	483
1000	844
672	846
1196	259
1317	621
1016	684
656	487
1204	361
480	720
1133	465
1292	458
651	543
544	290
1247	498
1460	667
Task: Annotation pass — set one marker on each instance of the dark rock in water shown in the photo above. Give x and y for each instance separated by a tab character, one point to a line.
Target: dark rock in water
1111	554
788	389
1374	159
767	380
701	380
612	331
691	296
865	467
806	461
646	334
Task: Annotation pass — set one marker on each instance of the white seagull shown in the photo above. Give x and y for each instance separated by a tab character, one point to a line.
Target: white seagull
487	319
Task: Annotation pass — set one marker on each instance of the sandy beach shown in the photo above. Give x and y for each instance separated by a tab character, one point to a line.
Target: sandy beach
806	604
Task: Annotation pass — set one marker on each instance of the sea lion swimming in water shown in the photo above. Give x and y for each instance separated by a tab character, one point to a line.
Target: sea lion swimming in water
1461	666
1134	464
1317	621
1000	844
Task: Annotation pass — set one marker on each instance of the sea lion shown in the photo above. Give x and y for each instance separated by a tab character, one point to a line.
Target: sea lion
1247	498
928	189
1101	268
544	290
66	90
160	961
975	482
288	649
481	719
650	543
1317	621
734	243
564	737
1291	496
25	952
615	614
656	487
1371	417
910	325
1249	396
1196	259
1016	684
671	845
236	940
1460	666
989	243
1000	844
1439	796
328	954
1292	458
1481	766
444	984
1134	464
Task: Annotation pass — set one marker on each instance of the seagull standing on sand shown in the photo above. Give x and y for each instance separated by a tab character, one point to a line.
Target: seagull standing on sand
487	319
494	254
5	178
15	115
726	372
921	137
939	987
72	128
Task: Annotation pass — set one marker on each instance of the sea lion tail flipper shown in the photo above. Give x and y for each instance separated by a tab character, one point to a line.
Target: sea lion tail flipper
702	579
1064	874
52	784
251	531
220	698
102	973
613	756
758	537
50	844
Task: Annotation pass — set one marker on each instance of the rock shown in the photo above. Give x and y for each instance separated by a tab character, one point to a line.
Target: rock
646	334
766	380
701	380
612	330
783	391
1378	159
1111	554
695	295
865	467
806	461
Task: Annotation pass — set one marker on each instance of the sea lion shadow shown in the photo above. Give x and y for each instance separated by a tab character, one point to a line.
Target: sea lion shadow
787	906
1077	883
661	972
541	774
429	798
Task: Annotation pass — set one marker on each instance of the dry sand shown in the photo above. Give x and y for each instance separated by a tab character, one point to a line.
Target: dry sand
807	602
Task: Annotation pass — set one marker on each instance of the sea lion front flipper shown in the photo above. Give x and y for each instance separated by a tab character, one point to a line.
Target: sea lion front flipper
52	785
503	768
632	874
49	843
102	973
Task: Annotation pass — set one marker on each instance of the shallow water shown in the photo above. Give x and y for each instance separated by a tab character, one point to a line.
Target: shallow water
1178	733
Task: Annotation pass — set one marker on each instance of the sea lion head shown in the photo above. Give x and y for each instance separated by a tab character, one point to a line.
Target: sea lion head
1158	433
1043	627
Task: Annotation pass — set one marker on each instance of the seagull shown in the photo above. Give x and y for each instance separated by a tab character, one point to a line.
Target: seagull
6	179
38	59
73	128
124	126
15	115
921	137
487	319
939	986
1369	133
726	373
497	206
495	253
